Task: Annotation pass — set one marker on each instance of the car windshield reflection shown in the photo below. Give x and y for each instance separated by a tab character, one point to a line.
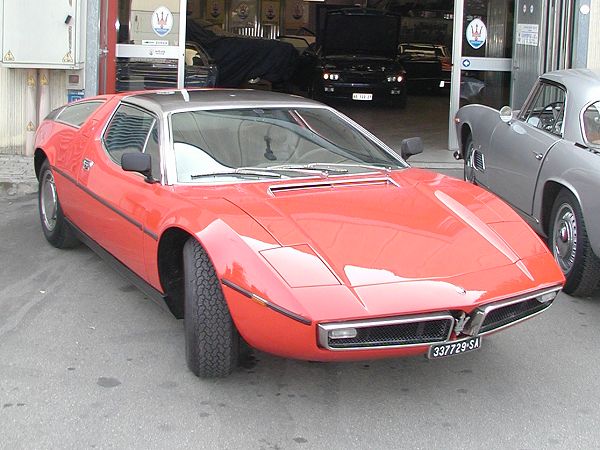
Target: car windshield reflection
262	142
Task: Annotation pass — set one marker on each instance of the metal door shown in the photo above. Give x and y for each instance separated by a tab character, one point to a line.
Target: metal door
528	51
147	32
481	56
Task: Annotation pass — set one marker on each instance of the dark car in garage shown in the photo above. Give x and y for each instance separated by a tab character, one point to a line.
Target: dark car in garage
357	58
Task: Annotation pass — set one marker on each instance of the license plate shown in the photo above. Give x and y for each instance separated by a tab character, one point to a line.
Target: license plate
360	96
454	348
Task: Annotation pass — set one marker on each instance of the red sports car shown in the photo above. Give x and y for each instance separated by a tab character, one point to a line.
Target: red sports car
276	221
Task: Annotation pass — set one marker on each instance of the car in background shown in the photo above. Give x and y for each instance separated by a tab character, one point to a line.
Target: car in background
428	66
357	58
276	221
544	160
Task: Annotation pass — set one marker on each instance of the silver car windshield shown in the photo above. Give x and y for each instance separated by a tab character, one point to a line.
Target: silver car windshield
288	142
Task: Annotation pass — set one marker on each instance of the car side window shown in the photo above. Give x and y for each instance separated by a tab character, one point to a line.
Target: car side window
546	109
77	113
591	124
132	129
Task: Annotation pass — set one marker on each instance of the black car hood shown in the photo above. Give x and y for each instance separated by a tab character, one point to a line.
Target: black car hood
360	63
360	34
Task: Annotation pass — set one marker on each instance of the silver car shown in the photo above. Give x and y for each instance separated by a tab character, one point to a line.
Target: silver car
544	160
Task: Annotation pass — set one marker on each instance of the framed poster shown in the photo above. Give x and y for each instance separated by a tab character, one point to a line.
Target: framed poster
270	12
296	14
215	11
243	13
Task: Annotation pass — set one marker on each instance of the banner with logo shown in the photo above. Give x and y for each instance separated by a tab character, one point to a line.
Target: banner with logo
215	11
296	14
243	13
270	12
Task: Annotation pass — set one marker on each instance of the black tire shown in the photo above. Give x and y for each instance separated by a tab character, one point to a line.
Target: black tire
469	170
54	225
211	339
570	246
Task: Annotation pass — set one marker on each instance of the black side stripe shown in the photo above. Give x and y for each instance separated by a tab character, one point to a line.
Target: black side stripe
100	200
277	308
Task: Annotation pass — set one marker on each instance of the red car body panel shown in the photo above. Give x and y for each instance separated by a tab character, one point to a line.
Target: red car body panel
347	250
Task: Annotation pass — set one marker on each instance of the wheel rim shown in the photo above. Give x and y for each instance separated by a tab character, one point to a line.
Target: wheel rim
48	203
565	238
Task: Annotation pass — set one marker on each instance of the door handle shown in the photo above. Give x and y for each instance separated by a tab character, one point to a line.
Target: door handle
87	164
538	156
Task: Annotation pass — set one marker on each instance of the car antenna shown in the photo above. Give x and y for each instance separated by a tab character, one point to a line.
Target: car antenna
186	95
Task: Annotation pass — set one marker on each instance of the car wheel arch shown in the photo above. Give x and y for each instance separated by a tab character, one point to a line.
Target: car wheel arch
39	157
170	267
551	190
465	132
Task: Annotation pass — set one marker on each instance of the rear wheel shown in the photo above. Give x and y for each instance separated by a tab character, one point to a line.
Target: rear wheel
211	339
570	245
469	169
54	225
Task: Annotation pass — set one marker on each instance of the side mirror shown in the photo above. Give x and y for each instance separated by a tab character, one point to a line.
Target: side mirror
410	147
506	114
138	162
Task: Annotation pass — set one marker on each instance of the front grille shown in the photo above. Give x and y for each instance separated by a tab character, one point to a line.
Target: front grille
405	331
508	314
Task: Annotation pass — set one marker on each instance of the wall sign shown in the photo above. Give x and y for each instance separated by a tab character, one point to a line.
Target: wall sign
528	34
162	21
476	33
215	11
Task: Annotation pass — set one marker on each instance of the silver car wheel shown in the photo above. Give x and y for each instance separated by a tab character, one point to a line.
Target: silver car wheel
565	237
49	203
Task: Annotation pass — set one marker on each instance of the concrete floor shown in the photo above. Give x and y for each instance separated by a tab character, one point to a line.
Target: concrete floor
425	116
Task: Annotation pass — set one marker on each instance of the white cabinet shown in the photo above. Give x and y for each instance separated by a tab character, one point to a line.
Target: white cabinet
42	33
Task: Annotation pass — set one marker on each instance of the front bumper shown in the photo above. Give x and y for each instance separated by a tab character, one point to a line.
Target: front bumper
379	91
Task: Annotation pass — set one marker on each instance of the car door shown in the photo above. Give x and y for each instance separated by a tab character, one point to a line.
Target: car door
114	215
518	148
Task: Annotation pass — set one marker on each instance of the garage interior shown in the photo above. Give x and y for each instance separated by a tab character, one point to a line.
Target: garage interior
423	22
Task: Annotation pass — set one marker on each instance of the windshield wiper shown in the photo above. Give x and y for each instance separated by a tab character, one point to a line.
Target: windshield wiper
241	171
310	168
338	166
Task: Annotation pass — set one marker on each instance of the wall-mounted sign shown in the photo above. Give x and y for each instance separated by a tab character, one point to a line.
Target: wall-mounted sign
528	34
162	21
243	13
476	33
296	14
270	12
215	11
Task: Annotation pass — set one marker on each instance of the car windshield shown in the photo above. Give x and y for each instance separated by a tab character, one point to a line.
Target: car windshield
271	142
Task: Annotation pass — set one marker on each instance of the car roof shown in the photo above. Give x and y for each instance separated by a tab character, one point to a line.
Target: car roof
583	85
175	100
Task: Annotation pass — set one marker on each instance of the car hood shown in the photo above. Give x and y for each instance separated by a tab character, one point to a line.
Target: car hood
368	231
360	63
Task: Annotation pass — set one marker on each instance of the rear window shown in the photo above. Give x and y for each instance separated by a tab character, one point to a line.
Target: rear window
591	124
77	113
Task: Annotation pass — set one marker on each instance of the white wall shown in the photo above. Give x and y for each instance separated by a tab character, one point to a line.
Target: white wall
593	57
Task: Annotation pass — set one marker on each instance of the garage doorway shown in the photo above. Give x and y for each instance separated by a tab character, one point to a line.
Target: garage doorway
482	56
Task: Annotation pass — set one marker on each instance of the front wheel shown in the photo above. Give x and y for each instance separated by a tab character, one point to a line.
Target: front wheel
570	246
54	225
211	339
